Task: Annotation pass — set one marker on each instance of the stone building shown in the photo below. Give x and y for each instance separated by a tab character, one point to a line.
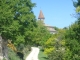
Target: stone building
50	28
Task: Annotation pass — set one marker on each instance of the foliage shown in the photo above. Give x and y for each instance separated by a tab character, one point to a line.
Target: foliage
55	46
56	28
77	5
78	9
48	50
17	20
18	23
72	37
42	56
72	41
41	34
10	45
12	55
56	55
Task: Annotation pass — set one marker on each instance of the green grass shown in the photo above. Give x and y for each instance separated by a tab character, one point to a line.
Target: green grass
42	56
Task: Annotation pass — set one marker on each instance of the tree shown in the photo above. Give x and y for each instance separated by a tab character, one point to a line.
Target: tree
72	42
17	20
77	5
55	46
41	34
72	36
56	28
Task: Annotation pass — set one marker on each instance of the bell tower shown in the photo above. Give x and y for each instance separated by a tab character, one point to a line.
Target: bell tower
41	16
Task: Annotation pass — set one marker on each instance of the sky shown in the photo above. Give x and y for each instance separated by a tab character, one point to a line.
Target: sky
56	12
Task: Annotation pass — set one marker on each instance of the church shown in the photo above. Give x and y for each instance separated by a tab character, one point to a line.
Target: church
50	28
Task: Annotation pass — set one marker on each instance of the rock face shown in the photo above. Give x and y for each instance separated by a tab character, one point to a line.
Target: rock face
1	53
3	49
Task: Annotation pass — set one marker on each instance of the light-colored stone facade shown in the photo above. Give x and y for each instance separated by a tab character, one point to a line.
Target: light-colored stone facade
51	29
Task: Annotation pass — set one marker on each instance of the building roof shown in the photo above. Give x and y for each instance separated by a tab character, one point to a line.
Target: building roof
50	28
41	16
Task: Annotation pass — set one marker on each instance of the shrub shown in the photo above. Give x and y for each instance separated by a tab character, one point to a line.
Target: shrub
12	55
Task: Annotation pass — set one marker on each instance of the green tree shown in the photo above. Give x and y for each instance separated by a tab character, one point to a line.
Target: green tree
72	41
41	34
17	20
55	46
56	28
72	37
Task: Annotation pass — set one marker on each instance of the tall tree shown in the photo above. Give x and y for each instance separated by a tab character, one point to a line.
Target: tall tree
41	34
17	20
72	42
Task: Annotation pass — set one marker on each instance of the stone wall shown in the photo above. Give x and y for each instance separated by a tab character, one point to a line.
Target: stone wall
3	49
1	53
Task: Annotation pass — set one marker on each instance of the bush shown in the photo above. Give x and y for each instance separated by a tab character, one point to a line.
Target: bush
4	59
56	55
26	50
12	55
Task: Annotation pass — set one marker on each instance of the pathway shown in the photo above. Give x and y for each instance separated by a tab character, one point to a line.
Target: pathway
34	54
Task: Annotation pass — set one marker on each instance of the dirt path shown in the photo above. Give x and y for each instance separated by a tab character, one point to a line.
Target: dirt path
34	54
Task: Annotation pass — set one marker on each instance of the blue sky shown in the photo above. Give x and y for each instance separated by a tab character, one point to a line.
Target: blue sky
57	12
